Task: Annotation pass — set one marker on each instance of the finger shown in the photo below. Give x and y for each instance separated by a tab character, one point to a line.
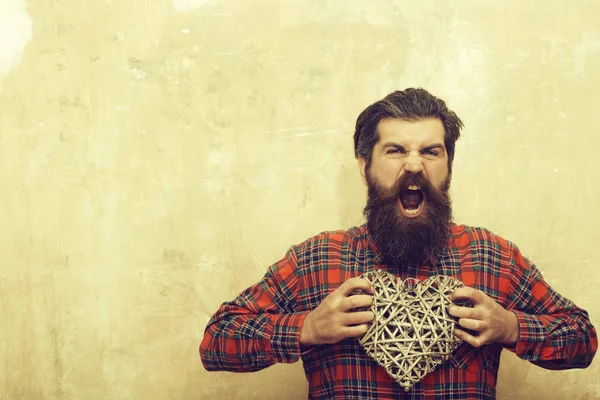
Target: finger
467	293
353	284
358	317
356	330
356	301
463	312
474	341
472	324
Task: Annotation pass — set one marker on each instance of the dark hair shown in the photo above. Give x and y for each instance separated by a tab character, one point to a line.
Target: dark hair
409	105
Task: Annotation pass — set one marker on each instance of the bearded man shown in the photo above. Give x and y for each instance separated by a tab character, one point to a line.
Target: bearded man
306	305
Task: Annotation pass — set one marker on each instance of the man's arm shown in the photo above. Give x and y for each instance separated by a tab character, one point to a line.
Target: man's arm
553	332
259	327
262	326
538	325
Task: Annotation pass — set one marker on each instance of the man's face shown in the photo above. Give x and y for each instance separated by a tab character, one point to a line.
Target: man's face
408	209
405	147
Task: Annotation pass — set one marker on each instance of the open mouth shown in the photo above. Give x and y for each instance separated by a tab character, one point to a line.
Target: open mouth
412	201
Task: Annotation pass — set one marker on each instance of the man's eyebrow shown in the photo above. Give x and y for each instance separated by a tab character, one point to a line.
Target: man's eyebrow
395	145
427	148
434	146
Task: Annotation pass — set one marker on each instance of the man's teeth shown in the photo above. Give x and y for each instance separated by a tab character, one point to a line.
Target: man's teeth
413	187
413	211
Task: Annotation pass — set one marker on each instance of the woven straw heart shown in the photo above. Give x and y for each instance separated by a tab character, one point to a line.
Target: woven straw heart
412	332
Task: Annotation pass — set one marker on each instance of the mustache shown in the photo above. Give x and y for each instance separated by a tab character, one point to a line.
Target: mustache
407	179
418	179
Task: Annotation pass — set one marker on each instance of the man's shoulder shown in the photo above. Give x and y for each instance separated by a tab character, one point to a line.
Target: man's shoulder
465	235
336	239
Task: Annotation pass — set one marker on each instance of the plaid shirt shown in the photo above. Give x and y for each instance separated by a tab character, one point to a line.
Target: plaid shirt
262	325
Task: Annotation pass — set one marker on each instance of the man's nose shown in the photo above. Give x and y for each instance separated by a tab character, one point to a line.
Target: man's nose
413	163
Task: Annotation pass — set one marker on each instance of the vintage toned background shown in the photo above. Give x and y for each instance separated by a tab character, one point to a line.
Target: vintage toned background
157	155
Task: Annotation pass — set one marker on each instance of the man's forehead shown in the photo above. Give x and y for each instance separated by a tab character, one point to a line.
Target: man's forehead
420	132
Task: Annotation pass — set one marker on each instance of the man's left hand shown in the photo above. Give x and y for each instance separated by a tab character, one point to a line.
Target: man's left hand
489	321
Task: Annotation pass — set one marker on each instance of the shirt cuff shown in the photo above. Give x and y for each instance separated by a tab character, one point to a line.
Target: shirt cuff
285	339
532	334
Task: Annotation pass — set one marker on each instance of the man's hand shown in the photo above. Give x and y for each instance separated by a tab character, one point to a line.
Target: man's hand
333	319
491	322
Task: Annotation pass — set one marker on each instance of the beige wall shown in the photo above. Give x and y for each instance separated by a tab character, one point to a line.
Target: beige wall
156	156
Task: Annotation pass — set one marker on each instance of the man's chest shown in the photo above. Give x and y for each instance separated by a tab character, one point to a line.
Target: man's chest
477	268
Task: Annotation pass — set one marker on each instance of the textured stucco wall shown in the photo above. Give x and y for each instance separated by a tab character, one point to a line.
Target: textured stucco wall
156	156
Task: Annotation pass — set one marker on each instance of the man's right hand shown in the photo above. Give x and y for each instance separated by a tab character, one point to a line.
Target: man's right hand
334	320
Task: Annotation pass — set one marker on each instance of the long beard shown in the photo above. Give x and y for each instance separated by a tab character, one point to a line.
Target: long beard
408	241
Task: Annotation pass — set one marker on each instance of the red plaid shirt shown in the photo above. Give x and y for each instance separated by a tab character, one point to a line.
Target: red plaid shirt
262	325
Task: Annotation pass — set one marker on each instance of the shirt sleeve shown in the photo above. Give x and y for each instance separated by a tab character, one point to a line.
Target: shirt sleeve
259	327
554	332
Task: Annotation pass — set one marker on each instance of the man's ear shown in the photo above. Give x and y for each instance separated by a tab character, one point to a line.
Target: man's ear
362	165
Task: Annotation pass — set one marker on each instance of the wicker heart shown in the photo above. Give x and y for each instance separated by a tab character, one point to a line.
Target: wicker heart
412	332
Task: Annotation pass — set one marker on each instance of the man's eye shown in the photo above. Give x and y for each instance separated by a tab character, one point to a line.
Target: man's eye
430	152
394	151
